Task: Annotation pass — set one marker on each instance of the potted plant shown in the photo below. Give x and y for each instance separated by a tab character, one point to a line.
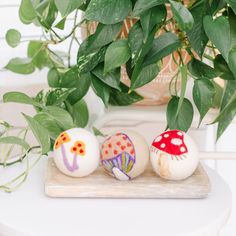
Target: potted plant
201	42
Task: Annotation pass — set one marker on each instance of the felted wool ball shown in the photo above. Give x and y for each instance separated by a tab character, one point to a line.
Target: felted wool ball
174	155
125	155
76	152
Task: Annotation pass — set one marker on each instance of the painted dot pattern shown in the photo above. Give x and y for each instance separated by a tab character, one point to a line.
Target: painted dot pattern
63	138
115	145
78	148
171	142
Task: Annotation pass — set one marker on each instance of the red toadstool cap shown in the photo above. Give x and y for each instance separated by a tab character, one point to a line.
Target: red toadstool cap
171	142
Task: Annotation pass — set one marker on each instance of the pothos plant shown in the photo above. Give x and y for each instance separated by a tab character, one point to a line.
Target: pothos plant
205	29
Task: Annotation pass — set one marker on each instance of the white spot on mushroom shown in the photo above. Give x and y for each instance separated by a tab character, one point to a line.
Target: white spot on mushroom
182	149
158	139
176	141
166	135
180	133
163	145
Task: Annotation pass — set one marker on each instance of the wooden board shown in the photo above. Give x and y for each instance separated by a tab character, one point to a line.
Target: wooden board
101	185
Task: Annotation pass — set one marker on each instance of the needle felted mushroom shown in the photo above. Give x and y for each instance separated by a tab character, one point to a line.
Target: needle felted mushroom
63	138
174	155
124	155
76	152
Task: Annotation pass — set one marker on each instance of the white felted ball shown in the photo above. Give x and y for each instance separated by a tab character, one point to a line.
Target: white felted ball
125	155
174	155
76	152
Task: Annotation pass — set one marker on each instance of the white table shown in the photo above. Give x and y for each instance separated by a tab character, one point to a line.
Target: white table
29	212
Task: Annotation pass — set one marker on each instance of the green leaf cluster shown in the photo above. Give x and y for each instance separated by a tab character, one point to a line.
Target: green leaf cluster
204	29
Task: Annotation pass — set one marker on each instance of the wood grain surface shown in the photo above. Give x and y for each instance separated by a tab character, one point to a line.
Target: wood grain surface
101	185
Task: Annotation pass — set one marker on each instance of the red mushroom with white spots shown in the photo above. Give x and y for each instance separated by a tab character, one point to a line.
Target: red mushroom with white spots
174	155
171	142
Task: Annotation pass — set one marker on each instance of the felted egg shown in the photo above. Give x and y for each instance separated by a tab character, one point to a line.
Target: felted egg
174	155
125	155
76	152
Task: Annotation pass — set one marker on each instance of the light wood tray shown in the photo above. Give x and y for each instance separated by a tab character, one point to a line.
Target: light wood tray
101	185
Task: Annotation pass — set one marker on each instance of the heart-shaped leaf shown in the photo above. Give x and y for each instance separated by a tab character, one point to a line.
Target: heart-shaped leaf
117	54
40	133
66	7
143	5
203	95
218	31
20	65
162	47
197	35
19	97
16	141
201	70
111	78
13	37
182	15
183	120
147	74
80	113
108	11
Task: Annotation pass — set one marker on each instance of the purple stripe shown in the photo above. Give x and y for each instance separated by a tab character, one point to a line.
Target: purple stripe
63	151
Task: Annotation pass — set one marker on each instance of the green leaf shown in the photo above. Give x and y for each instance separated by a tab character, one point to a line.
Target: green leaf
62	117
72	79
117	54
111	78
16	141
182	15
232	23
232	3
184	78
143	5
19	97
215	6
13	37
61	24
37	51
124	98
203	95
104	35
80	113
199	69
27	12
135	41
184	119
152	18
49	124
58	96
101	89
218	95
40	133
147	74
46	13
53	78
87	62
20	65
66	7
221	65
222	40
232	61
197	35
108	11
228	116
162	47
97	132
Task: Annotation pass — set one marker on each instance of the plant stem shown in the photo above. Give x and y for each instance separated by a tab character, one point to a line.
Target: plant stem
20	159
72	39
